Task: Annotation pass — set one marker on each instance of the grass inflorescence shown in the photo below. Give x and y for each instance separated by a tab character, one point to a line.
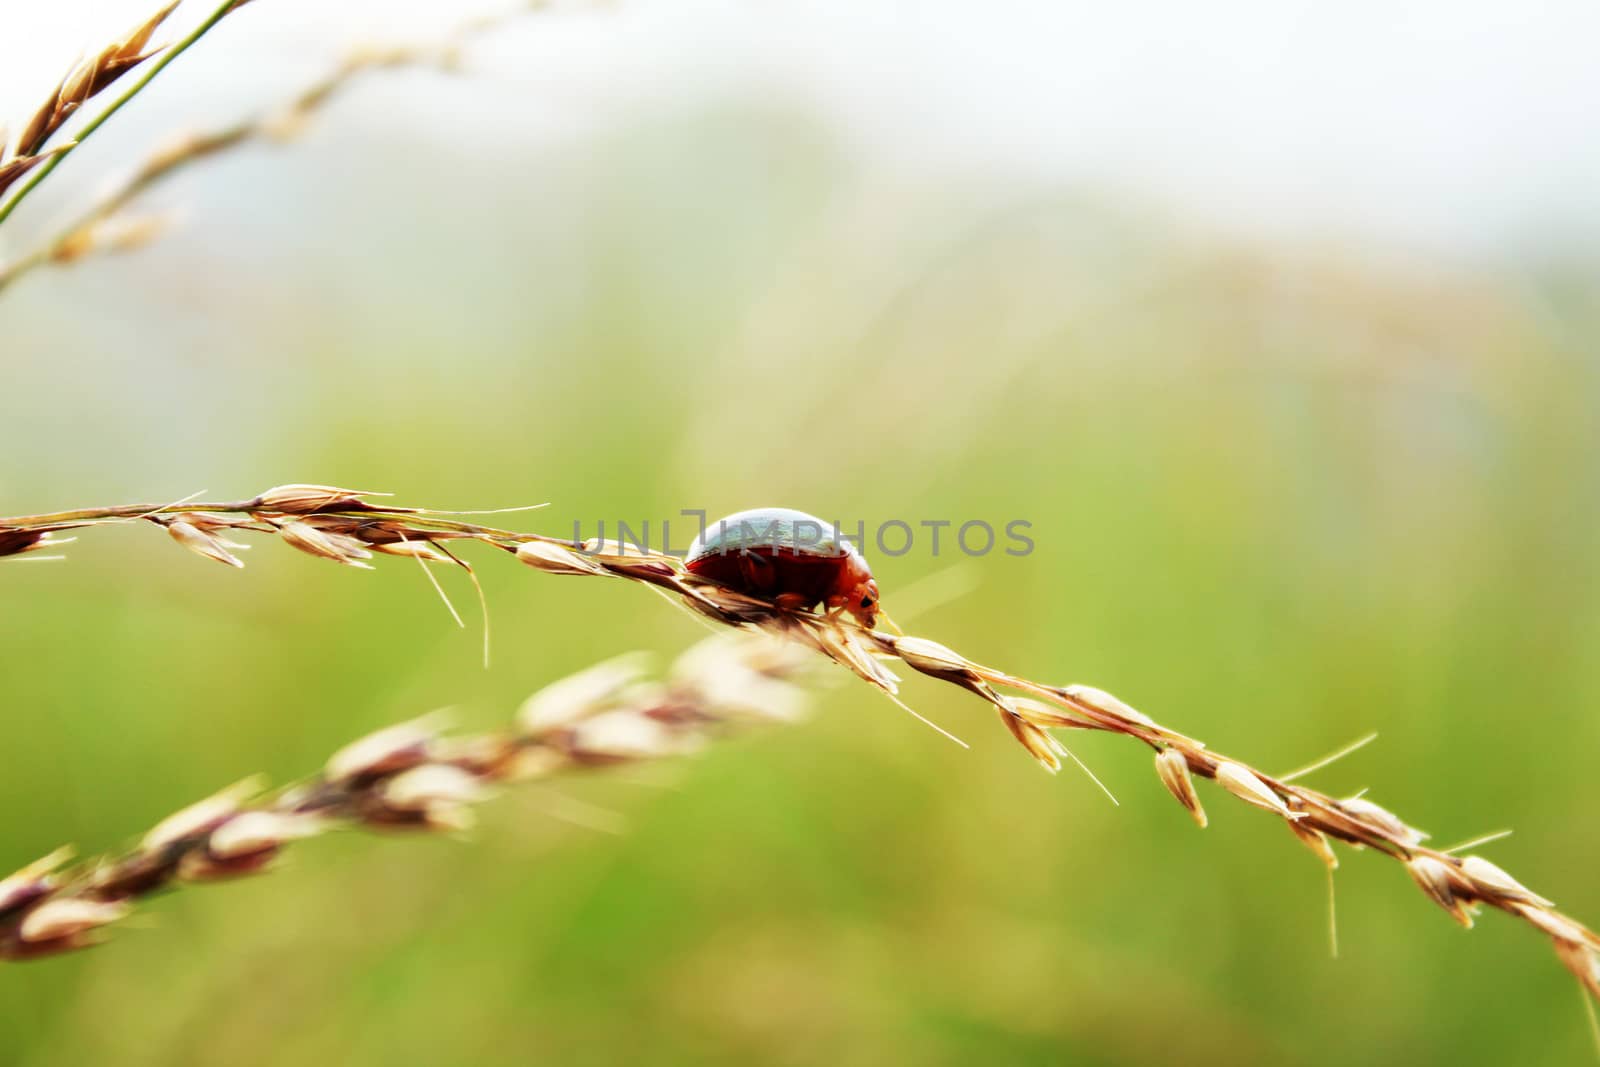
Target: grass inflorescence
351	527
410	777
107	225
31	157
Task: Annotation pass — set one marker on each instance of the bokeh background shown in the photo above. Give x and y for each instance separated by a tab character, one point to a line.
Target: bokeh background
1277	322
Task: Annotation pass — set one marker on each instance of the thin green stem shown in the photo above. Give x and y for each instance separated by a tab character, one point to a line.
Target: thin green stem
172	52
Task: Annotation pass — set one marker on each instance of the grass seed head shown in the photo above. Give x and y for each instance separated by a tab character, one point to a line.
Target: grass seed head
16	542
69	918
38	879
1444	885
387	751
1582	961
626	734
1103	701
1172	767
252	832
1040	745
439	794
199	541
1248	787
556	559
1365	810
200	817
1316	841
1491	881
331	546
1558	926
930	657
579	696
302	499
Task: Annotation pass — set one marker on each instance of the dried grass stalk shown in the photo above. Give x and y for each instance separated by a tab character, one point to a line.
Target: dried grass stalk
346	526
107	227
410	777
88	78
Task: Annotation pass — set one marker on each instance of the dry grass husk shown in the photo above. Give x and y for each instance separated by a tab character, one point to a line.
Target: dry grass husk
410	777
88	78
108	225
31	158
348	527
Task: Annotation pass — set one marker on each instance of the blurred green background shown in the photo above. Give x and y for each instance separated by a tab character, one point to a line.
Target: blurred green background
1282	493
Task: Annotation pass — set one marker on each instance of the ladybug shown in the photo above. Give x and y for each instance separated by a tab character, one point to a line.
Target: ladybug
789	557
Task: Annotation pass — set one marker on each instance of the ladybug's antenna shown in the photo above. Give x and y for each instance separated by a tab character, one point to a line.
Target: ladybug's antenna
884	615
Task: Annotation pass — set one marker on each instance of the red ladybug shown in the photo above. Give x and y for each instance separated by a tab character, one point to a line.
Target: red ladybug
787	556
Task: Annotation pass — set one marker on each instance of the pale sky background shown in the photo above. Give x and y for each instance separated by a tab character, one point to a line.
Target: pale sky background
1433	128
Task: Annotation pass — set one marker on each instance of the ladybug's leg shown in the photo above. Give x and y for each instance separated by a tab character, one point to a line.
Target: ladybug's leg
792	601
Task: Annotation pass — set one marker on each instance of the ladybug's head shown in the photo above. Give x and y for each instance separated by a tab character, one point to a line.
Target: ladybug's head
854	591
862	602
